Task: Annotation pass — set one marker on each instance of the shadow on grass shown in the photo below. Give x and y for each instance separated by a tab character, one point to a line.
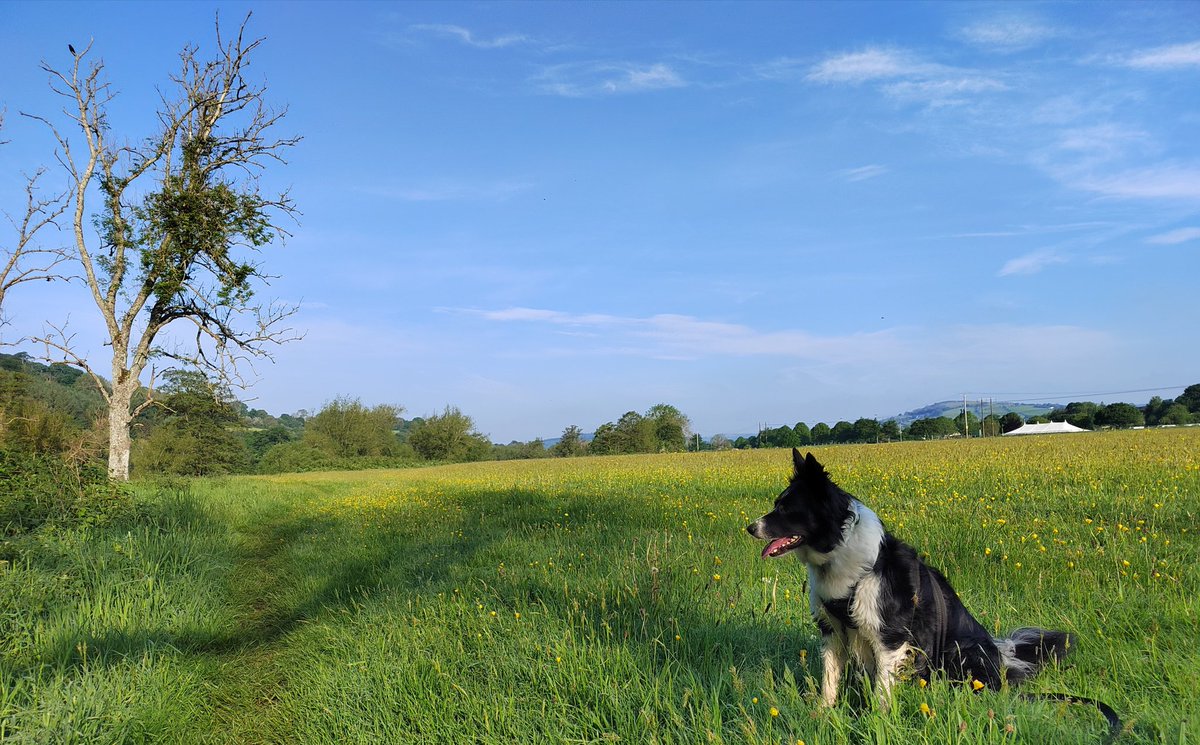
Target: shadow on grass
289	569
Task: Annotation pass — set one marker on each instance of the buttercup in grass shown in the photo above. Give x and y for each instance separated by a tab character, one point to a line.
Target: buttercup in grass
354	557
874	599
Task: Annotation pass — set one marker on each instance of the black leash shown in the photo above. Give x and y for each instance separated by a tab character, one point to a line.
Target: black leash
1115	725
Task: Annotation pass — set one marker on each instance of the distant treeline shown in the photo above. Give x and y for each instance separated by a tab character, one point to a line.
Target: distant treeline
1158	412
199	428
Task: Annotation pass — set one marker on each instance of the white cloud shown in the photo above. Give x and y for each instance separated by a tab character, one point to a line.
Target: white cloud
943	91
1067	109
863	173
904	76
673	336
466	37
871	64
780	68
578	80
548	316
902	356
1006	34
1031	263
1158	182
1166	58
1107	139
1180	235
646	78
1027	230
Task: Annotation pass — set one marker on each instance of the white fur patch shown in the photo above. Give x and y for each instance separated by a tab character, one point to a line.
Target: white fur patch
833	657
1017	668
833	575
865	608
890	664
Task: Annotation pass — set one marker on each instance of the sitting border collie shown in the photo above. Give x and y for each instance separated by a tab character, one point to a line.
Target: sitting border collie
874	598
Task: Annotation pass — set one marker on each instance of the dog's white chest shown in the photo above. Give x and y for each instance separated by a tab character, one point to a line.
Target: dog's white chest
835	575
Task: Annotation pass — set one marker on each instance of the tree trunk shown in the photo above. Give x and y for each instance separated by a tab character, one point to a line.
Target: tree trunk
119	420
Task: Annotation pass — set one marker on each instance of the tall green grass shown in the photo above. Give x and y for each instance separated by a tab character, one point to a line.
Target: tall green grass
600	600
103	630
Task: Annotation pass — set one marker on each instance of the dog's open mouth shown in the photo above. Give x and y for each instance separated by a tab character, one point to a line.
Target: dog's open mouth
781	546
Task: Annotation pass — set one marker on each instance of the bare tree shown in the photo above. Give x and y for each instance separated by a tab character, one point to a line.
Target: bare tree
179	220
24	260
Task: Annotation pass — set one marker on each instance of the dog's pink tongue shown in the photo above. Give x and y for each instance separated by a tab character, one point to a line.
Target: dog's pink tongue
769	551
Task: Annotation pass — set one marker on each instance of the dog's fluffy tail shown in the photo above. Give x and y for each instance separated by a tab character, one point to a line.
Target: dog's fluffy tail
1025	651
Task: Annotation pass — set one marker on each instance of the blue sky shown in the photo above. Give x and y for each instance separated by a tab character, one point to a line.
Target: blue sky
552	213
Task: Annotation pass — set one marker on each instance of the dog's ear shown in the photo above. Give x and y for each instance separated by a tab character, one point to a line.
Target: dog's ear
812	471
798	461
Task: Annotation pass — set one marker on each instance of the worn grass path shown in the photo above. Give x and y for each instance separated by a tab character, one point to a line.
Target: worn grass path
270	594
249	676
598	600
618	599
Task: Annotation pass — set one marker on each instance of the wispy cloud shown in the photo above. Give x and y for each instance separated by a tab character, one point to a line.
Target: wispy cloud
868	65
1031	263
1108	139
911	351
1027	230
466	36
675	336
904	76
1179	235
1174	182
583	79
780	68
945	90
1166	58
1008	34
863	173
546	316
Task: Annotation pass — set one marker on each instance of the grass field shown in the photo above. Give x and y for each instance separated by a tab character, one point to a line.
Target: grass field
597	600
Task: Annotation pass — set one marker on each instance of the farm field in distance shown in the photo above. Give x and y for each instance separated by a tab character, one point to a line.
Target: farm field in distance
613	599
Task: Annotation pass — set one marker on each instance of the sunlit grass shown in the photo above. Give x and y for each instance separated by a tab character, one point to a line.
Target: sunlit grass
604	599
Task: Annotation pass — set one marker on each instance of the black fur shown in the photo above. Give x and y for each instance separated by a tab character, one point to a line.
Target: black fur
914	603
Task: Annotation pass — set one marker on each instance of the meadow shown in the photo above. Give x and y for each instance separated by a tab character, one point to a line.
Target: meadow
594	600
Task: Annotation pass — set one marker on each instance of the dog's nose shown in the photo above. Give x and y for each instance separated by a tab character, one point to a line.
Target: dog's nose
752	528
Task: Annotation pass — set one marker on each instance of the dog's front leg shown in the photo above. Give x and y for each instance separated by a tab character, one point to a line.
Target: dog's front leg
834	656
890	662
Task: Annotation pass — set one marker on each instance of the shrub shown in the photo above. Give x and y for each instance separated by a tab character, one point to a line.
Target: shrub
36	489
290	457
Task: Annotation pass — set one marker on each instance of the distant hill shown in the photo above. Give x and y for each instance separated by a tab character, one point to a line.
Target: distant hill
951	409
948	409
552	441
68	390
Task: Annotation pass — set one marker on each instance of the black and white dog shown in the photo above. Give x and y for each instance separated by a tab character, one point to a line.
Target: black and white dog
874	598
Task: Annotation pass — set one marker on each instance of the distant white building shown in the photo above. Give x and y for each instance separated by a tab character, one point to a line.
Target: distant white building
1049	428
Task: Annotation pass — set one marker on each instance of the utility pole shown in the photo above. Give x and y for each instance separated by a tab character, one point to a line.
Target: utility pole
966	429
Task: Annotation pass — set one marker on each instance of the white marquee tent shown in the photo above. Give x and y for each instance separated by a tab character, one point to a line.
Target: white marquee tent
1049	428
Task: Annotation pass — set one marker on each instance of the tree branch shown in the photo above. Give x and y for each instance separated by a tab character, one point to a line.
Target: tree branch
60	348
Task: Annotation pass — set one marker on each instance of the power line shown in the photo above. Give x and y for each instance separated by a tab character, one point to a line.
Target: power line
1048	397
